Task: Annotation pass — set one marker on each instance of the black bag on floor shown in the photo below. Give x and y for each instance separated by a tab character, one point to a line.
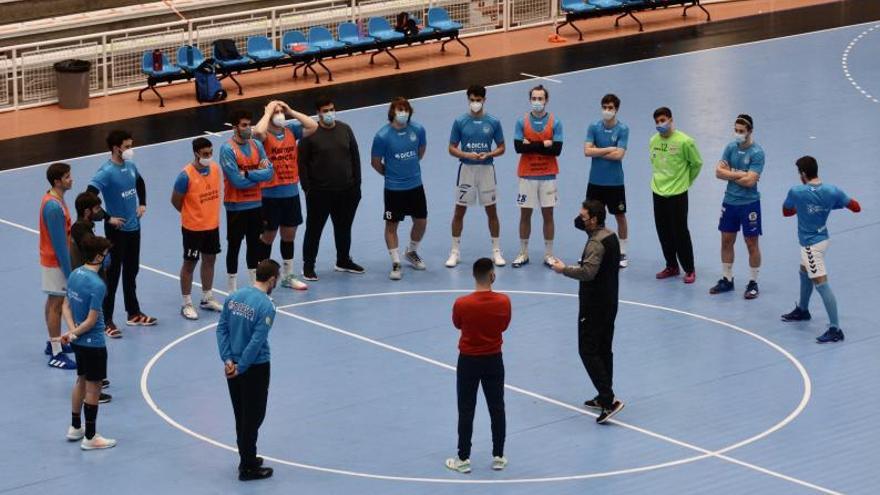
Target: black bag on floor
208	87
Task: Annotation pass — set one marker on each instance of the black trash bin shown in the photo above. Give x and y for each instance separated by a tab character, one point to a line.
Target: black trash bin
72	81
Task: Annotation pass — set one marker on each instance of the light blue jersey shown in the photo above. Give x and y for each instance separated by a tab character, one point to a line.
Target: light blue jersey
750	159
814	203
476	134
85	292
229	166
243	330
118	185
399	151
604	172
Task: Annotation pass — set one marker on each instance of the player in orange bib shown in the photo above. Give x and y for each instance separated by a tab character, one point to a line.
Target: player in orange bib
281	206
538	140
196	196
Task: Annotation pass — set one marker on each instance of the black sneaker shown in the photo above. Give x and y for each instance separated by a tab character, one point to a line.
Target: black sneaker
722	286
593	403
255	473
349	266
833	334
751	290
609	413
105	383
104	398
259	464
797	314
309	273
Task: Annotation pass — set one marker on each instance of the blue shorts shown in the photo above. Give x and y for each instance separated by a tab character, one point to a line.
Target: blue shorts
745	217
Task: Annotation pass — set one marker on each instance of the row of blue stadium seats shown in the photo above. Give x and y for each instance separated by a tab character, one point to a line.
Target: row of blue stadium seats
295	43
588	5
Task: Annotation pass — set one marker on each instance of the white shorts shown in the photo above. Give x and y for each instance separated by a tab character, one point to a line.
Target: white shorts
475	181
54	282
534	193
813	259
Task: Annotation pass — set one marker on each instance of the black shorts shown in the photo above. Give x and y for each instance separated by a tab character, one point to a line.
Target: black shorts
613	197
91	362
198	242
242	224
408	203
281	212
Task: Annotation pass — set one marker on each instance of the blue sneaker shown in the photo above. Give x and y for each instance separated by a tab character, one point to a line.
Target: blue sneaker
65	348
797	314
62	362
833	334
723	285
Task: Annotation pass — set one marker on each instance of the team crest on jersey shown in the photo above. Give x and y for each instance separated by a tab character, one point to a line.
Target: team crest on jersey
412	136
747	160
487	129
269	321
753	216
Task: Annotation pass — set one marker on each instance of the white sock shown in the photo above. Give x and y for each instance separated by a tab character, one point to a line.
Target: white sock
207	295
524	246
395	255
727	270
252	275
286	267
548	248
187	299
56	346
231	281
623	246
755	271
456	244
496	244
413	246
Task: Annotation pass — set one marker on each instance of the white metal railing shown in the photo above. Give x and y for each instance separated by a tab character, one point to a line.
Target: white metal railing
27	77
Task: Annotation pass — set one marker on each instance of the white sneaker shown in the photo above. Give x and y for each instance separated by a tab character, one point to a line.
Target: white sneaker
454	257
499	463
396	273
75	434
211	305
189	312
456	464
497	258
415	260
292	282
520	260
624	262
549	260
97	442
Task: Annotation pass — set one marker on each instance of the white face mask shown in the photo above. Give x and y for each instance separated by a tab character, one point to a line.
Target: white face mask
739	138
476	106
128	154
204	162
537	106
328	117
608	114
401	117
278	120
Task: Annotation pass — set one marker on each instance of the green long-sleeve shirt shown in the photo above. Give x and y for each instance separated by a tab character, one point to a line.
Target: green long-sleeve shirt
676	163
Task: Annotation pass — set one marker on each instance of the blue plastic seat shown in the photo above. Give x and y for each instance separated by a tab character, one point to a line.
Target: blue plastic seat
606	4
379	28
577	6
348	34
167	68
232	63
296	38
322	38
197	58
438	19
260	49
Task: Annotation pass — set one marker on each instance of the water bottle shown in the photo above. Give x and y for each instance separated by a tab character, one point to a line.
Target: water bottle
157	60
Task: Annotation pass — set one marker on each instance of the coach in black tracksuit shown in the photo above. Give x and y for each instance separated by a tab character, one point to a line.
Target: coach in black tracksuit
597	272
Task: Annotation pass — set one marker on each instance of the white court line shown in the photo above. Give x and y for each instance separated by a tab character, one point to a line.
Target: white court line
557	81
844	62
508	83
705	453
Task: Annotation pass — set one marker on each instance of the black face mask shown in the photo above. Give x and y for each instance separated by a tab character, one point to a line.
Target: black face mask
101	215
579	223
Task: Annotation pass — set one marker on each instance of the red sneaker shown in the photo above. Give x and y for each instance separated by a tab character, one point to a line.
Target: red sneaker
667	272
690	277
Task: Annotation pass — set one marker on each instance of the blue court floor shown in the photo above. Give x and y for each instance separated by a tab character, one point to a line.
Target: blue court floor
722	397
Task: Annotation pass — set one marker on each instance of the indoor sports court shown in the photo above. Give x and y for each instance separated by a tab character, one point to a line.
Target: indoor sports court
721	396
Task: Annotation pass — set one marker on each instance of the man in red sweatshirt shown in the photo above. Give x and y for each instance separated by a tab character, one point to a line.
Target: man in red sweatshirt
481	316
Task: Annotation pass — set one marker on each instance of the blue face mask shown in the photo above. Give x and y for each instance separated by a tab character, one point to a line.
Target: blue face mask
245	133
328	117
401	117
663	128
